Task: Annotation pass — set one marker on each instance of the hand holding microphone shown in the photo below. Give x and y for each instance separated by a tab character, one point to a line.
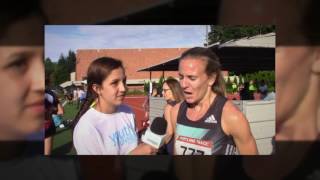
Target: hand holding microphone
152	139
155	134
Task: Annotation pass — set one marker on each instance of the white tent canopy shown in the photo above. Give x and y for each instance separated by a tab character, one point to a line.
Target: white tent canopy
70	83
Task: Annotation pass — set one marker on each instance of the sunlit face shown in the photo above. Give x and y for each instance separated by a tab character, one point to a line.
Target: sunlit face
113	89
167	92
193	80
21	92
293	65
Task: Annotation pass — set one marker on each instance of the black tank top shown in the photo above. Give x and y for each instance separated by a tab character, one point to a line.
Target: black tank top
205	136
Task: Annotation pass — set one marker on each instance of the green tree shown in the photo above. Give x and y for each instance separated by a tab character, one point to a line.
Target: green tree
241	79
146	87
49	71
161	81
236	81
231	73
229	85
61	73
49	66
71	61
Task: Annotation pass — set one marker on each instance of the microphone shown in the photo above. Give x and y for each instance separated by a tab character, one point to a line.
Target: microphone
154	136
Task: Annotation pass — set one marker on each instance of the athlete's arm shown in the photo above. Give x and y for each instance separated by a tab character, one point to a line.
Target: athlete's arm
234	123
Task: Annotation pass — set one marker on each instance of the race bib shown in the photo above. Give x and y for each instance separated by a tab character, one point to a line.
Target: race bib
191	146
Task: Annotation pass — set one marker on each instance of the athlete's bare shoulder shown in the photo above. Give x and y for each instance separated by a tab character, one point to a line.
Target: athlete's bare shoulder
229	107
232	117
235	123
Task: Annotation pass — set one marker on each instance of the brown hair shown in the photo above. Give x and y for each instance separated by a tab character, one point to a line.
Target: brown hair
175	88
213	66
98	71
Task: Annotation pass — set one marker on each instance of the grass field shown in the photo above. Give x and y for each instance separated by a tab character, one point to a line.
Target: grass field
62	141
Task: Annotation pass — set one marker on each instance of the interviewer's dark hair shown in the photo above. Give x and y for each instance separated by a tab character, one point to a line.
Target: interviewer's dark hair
98	71
213	66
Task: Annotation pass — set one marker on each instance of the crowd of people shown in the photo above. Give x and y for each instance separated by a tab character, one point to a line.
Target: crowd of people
252	90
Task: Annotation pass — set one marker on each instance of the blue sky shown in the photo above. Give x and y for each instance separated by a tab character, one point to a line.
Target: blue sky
62	38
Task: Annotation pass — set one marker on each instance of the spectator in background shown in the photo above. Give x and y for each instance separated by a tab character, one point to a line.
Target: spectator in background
70	95
263	89
53	113
57	116
173	94
50	129
245	93
270	96
81	96
252	86
84	87
159	92
65	97
154	92
75	96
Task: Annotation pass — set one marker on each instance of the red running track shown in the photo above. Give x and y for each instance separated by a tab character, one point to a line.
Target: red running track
136	104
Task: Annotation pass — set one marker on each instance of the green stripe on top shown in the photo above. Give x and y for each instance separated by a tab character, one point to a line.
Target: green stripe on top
192	132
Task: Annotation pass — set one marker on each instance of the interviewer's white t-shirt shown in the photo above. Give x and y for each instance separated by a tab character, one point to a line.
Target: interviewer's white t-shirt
99	133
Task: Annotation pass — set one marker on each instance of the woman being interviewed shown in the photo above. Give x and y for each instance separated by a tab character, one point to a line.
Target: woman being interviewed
104	125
